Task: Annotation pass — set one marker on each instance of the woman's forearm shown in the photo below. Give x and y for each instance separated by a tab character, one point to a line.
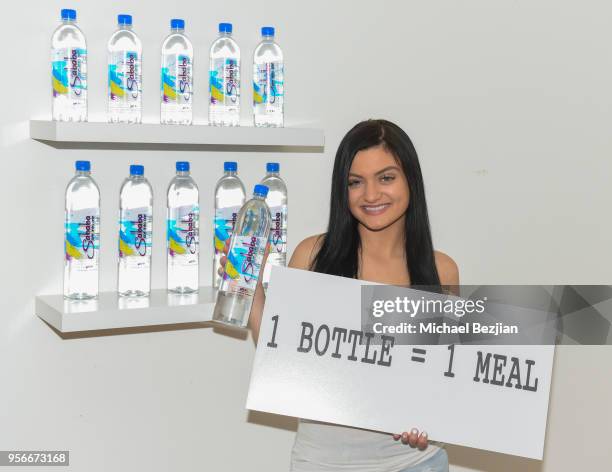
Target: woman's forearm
259	299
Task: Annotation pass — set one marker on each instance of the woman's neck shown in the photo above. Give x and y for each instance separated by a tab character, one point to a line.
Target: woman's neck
389	242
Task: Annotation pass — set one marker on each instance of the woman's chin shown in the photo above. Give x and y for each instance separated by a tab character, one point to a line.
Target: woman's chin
375	224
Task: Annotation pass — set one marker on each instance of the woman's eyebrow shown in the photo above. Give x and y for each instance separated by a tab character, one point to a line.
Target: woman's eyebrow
382	171
387	169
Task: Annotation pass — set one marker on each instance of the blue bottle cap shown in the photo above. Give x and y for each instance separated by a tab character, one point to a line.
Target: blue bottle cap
124	19
84	166
177	23
267	31
230	166
136	169
182	166
68	14
272	167
261	190
225	27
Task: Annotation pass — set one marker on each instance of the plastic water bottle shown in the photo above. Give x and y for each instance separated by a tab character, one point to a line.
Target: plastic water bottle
229	198
177	76
246	251
268	81
69	70
224	79
135	234
183	232
124	74
277	202
82	241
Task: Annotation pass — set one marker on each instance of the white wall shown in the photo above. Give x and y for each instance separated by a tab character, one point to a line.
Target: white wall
508	103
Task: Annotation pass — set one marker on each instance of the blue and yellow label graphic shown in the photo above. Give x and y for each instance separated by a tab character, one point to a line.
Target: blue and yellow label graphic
182	231
268	84
224	81
69	72
225	220
244	260
176	79
82	237
135	232
124	76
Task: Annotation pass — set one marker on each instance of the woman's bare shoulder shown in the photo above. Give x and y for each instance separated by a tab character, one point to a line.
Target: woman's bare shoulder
305	252
447	269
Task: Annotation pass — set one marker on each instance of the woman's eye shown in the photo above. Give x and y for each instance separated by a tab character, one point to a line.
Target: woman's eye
387	178
353	183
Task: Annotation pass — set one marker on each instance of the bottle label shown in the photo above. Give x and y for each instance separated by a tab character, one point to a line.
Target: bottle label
69	73
244	261
269	84
124	77
82	240
224	81
176	79
278	229
183	233
135	233
225	220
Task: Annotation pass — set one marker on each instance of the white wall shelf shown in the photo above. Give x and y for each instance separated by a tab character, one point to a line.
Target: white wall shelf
95	135
111	312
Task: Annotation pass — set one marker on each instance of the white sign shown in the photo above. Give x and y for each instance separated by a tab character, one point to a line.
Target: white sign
310	364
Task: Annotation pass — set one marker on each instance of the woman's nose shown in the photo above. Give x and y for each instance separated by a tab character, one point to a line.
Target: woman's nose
371	192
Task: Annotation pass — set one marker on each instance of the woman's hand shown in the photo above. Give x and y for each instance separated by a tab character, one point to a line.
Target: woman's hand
223	260
413	438
259	297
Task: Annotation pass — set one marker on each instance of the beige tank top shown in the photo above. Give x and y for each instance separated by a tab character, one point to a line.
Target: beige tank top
329	447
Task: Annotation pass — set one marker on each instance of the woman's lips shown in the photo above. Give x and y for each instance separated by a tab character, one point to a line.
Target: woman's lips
375	209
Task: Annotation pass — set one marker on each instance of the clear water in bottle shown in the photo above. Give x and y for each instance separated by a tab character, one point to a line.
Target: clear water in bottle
135	234
246	252
82	235
277	202
224	79
176	76
268	81
183	232
229	198
69	70
124	74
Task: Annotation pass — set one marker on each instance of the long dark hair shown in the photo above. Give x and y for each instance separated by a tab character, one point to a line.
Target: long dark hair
339	250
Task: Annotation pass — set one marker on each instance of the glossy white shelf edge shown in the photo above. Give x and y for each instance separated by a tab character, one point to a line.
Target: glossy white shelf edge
121	133
110	311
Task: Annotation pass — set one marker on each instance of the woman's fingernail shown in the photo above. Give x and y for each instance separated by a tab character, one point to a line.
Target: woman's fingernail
414	431
424	434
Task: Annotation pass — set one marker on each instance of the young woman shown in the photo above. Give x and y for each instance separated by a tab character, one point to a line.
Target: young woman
378	231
